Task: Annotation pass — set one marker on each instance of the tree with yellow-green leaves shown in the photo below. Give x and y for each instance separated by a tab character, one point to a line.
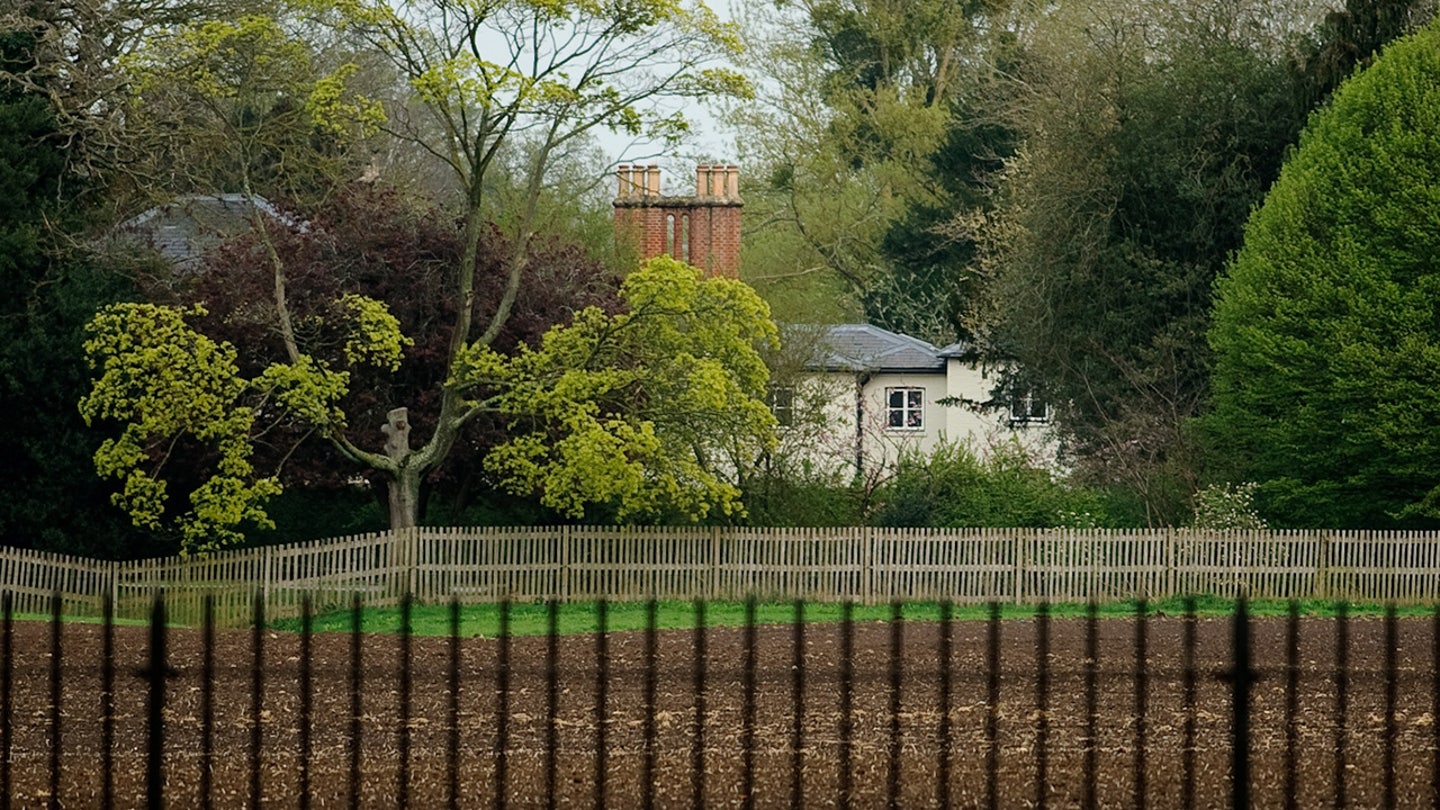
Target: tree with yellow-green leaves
474	79
652	413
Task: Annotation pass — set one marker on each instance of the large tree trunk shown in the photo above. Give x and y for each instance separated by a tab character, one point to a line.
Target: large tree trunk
404	483
404	499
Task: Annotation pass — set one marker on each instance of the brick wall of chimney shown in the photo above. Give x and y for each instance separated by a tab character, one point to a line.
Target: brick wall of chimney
655	224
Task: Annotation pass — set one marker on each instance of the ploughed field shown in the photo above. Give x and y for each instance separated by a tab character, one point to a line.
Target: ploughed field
1018	755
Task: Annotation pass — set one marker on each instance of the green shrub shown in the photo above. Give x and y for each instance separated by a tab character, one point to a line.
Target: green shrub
954	488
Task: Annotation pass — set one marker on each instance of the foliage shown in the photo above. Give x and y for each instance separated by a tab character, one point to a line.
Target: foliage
373	240
471	82
170	389
649	412
955	488
1327	352
787	497
167	383
1350	38
76	63
871	133
1148	134
1226	507
242	105
53	500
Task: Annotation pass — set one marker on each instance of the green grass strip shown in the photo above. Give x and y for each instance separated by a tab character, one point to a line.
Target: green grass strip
529	619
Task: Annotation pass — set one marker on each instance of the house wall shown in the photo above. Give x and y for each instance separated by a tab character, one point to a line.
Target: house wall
884	444
832	439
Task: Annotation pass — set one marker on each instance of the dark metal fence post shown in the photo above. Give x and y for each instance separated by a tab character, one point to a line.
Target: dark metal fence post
1292	704
1388	766
155	761
897	645
1241	679
992	708
402	773
57	635
107	708
1142	690
1187	754
306	698
797	701
697	741
1342	698
1435	708
257	696
946	666
502	710
1042	704
602	686
647	770
357	728
7	704
452	711
847	697
207	703
1092	664
747	710
552	700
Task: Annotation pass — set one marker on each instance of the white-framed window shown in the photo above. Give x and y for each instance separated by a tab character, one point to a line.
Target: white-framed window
1028	409
781	399
905	408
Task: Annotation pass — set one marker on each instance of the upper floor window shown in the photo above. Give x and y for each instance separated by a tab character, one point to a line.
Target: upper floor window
905	408
781	399
1028	410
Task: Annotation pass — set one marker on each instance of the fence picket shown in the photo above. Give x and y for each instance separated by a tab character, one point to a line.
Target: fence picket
869	565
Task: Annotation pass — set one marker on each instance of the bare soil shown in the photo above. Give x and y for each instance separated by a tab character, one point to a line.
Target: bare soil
1118	778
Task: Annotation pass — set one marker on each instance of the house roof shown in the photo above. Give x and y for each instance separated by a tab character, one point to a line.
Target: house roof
862	347
185	229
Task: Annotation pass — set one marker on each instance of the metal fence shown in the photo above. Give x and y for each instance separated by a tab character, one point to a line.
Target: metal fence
863	565
1141	711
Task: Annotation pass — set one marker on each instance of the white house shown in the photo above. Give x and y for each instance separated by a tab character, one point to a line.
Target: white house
861	396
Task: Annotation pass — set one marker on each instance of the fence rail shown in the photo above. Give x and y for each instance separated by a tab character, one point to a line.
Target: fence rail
867	565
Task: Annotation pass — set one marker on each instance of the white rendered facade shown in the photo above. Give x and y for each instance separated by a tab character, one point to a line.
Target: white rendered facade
869	396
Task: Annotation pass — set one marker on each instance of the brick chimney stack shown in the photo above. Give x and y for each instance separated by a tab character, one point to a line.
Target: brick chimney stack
703	230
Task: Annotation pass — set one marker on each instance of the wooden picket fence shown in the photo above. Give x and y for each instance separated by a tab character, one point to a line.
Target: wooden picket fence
867	565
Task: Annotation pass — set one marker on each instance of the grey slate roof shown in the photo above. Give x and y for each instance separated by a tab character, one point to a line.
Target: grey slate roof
862	347
182	231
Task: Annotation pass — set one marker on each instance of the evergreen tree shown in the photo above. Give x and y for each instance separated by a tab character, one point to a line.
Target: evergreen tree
1325	333
53	500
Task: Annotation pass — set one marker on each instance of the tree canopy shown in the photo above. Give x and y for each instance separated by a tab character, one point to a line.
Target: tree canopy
1327	348
654	412
52	497
1147	133
870	132
471	81
651	412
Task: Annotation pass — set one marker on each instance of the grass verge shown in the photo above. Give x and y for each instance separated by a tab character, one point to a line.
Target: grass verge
531	619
